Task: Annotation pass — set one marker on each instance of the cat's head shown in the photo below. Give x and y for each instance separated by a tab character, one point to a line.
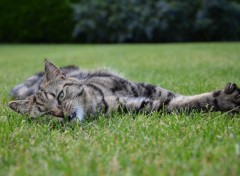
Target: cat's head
55	96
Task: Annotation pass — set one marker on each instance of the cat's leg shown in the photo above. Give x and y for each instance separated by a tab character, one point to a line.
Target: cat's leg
226	100
31	85
28	88
133	104
140	104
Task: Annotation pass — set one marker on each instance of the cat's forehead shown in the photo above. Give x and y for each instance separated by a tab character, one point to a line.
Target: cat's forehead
49	85
45	93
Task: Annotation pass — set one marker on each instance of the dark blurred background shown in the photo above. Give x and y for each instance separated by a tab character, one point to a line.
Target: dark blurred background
119	21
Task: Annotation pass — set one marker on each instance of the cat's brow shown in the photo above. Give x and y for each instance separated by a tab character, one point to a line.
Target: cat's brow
45	92
52	94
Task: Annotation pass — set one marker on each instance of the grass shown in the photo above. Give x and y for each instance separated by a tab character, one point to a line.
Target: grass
175	144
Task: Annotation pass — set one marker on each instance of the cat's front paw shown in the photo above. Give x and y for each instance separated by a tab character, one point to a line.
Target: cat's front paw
231	97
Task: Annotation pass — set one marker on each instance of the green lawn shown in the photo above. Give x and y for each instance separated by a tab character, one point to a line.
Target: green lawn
174	144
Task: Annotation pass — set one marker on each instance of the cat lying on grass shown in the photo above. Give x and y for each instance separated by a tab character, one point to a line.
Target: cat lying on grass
75	94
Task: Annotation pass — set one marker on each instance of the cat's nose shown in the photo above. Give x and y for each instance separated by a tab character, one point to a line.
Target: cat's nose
58	112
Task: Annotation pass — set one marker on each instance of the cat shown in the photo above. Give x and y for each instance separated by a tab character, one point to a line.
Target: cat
75	94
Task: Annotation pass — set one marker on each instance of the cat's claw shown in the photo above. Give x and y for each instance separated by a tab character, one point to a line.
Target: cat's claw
230	88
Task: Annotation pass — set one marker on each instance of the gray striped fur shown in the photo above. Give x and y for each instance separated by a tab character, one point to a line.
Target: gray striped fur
70	92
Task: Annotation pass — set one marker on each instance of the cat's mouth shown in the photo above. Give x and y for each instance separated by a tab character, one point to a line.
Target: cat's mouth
72	116
78	114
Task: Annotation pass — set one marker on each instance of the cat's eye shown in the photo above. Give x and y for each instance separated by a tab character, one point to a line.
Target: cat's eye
60	96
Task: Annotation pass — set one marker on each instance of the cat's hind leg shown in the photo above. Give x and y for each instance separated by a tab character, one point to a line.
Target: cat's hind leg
32	84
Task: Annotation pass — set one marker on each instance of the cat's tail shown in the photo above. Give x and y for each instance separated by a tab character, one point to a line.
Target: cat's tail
32	84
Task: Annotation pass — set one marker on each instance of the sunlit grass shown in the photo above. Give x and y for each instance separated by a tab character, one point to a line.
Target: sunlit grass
173	144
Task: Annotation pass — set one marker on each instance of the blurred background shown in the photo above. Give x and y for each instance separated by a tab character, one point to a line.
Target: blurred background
119	21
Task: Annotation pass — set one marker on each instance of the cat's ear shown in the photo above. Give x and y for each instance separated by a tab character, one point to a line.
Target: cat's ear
20	106
51	71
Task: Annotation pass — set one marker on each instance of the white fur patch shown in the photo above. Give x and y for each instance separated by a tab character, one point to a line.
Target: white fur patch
80	113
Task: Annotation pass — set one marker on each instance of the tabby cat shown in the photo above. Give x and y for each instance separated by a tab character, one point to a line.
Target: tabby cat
75	94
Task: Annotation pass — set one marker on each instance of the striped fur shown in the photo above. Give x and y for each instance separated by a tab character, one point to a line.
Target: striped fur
70	92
